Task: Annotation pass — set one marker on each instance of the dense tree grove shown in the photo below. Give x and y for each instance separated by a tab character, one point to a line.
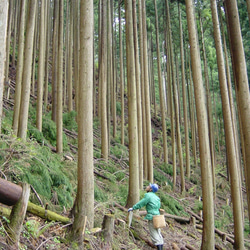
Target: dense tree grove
184	64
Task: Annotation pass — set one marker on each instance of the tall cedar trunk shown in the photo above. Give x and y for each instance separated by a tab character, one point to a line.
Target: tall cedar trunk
76	53
40	80
230	139
148	142
85	196
69	63
209	108
19	68
121	76
248	9
176	105
15	17
109	70
205	158
48	37
9	27
54	59
3	35
33	76
171	110
114	75
59	111
133	193
161	91
231	100
138	98
26	77
192	112
184	98
103	82
144	131
241	83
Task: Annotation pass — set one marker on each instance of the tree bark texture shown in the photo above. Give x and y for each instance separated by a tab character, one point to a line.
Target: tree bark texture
3	35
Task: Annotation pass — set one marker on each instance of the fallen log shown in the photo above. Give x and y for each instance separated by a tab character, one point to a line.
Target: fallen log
10	193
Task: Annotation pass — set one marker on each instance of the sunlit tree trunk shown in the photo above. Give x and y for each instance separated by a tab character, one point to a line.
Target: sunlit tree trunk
109	70
148	141
184	99
192	112
229	132
121	76
15	22
138	98
103	82
19	67
161	90
9	28
241	83
26	77
59	111
175	102
208	240
84	205
76	50
133	193
209	108
144	130
48	37
40	80
3	36
54	59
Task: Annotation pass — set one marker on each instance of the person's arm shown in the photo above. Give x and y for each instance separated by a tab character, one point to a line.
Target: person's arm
143	202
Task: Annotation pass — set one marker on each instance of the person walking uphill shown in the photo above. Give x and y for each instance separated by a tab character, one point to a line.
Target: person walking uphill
153	204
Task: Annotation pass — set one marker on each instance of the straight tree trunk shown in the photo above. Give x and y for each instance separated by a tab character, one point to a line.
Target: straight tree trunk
144	130
229	132
19	68
248	9
148	141
103	82
41	64
121	77
3	39
241	83
209	109
69	63
175	100
138	98
161	91
85	186
48	44
184	98
208	241
54	59
59	111
8	39
76	46
133	193
26	77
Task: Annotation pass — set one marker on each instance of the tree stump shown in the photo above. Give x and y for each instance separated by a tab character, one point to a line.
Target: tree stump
17	215
108	230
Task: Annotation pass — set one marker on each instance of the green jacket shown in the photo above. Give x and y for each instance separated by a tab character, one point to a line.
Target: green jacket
152	203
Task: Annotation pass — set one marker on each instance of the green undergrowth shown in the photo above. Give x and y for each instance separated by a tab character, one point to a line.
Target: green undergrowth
37	165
